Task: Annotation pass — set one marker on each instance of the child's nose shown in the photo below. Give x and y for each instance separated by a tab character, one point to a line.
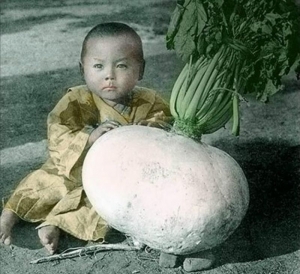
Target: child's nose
110	75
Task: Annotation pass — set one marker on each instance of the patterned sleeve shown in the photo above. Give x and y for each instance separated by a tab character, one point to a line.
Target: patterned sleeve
160	111
67	134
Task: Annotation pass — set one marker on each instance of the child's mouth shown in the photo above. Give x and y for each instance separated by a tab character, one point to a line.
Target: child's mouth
110	88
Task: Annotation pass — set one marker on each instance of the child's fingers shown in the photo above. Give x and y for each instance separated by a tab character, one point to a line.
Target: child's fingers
110	125
113	123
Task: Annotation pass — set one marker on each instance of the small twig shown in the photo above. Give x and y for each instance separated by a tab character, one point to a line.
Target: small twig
78	252
146	258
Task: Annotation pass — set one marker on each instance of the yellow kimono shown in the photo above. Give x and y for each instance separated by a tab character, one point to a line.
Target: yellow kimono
54	194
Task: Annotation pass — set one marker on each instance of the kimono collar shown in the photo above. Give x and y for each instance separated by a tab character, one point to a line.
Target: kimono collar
107	112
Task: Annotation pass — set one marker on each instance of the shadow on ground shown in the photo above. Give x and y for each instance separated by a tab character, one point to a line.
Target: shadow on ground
272	225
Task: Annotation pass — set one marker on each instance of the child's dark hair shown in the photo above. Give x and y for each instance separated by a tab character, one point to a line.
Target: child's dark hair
113	29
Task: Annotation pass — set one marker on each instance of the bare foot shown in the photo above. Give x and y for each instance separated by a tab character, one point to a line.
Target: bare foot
49	236
7	221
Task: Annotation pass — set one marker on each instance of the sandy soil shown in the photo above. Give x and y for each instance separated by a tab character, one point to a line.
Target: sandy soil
40	43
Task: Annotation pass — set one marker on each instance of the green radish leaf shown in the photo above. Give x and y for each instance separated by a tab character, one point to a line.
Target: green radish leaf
261	40
174	26
270	90
186	24
272	17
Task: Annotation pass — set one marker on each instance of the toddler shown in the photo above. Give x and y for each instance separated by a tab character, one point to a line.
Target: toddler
112	63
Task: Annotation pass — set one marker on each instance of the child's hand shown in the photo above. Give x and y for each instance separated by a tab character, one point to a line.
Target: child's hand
106	126
102	129
159	120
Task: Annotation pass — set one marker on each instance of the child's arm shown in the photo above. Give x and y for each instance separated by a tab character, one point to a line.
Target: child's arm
69	131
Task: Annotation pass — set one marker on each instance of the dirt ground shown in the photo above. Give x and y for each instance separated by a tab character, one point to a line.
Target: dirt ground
40	44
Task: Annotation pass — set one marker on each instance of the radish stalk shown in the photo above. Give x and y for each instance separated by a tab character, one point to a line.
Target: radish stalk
208	77
236	116
177	87
206	95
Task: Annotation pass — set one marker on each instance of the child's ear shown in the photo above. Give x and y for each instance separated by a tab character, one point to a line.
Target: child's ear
142	69
81	68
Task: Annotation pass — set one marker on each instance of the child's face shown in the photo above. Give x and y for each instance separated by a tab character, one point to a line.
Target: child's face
110	67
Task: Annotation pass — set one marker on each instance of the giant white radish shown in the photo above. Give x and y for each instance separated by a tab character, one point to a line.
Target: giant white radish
165	190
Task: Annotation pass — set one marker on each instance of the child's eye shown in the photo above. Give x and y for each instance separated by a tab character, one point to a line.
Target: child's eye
123	66
98	66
